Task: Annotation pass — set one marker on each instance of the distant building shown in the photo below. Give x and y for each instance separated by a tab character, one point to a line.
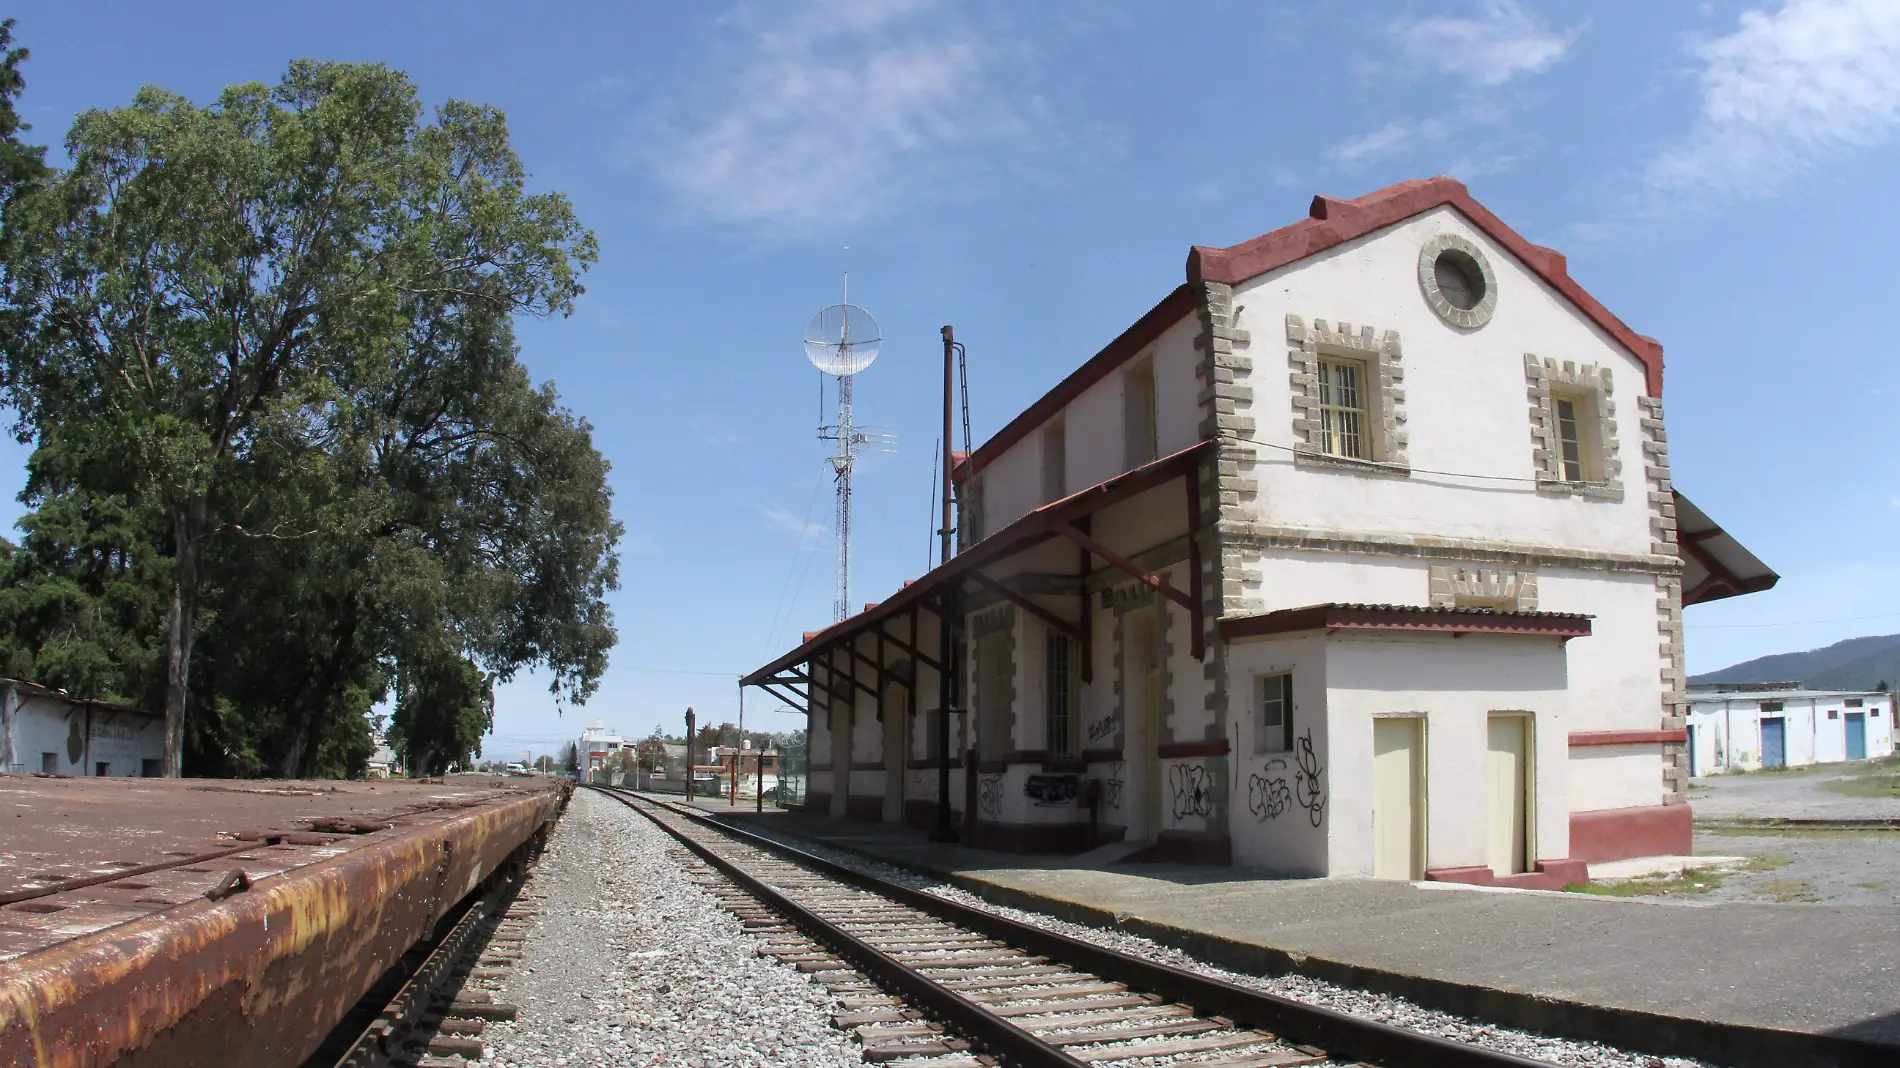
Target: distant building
597	743
1747	726
383	762
51	732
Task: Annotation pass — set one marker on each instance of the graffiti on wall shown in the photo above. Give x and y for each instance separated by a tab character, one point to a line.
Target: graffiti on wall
1312	791
1191	789
1112	786
990	795
1268	798
1052	791
1104	727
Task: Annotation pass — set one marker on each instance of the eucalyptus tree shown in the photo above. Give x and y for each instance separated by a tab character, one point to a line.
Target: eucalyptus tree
202	277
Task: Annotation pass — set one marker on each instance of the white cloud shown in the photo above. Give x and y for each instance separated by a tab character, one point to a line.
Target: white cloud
821	115
1383	143
780	519
1503	42
1786	89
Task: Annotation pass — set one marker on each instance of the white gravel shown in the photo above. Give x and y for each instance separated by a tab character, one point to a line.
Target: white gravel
1382	1007
631	963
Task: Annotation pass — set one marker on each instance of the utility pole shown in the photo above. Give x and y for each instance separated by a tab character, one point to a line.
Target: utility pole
947	612
691	723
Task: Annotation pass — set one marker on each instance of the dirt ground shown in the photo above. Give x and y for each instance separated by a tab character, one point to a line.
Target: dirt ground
1792	864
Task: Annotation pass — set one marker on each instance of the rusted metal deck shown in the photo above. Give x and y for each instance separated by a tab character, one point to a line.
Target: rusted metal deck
190	922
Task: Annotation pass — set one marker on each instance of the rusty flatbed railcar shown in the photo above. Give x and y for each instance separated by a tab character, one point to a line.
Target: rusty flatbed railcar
186	922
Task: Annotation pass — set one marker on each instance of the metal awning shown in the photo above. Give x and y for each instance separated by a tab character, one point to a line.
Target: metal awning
1058	519
1714	564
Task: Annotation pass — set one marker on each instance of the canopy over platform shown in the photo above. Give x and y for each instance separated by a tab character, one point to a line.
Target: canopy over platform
1065	518
1714	564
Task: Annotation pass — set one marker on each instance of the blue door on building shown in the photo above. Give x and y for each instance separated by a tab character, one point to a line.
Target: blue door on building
1857	736
1774	742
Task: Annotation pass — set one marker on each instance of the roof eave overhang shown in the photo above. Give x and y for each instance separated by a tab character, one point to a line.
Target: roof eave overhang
1400	618
1026	532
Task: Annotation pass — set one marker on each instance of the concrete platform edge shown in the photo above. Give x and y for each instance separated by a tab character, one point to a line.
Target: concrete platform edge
1729	1044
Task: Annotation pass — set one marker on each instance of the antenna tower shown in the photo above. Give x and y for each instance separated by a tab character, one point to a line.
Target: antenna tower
841	341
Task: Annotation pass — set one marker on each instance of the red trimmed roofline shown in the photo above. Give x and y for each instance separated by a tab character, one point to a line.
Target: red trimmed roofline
1331	222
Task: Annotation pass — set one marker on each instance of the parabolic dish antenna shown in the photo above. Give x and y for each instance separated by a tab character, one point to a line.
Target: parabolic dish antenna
842	340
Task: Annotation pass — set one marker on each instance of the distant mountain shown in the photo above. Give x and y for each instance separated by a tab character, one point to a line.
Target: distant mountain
1855	664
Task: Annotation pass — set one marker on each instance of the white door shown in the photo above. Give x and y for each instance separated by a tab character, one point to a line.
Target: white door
1398	809
1505	782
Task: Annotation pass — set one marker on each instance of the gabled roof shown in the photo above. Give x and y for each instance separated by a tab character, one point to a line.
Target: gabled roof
1330	223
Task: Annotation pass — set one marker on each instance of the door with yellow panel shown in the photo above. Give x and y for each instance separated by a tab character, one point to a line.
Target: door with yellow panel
1398	797
1507	767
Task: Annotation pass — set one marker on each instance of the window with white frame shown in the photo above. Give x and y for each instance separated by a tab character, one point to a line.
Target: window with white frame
1060	664
1276	712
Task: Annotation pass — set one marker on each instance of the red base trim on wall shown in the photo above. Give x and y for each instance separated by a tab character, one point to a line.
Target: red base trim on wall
864	808
818	803
1608	834
1553	874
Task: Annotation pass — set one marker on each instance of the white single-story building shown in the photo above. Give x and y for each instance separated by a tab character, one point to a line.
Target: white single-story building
49	732
1357	554
1749	726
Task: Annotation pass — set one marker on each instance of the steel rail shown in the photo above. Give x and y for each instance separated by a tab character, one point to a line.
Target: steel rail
996	1034
1340	1034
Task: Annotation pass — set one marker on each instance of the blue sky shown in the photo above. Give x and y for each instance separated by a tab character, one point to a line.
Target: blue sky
1720	175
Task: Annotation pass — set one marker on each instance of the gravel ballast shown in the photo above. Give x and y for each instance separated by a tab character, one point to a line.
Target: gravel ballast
631	963
1384	1008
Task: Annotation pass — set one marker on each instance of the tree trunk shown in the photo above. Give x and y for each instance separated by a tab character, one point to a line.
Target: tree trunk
187	526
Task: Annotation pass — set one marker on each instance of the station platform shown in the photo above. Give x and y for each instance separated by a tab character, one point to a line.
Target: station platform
1734	984
224	922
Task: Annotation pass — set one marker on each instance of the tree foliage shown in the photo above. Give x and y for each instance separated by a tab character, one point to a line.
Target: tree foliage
286	454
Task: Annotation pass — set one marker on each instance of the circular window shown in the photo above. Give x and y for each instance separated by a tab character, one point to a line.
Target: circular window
1457	281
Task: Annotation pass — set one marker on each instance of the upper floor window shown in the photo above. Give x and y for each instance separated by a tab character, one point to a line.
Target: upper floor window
1573	428
1570	439
1055	462
1342	408
1348	397
1138	421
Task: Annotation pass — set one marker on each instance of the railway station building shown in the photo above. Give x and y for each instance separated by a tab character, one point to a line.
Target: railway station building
1357	554
49	732
1750	726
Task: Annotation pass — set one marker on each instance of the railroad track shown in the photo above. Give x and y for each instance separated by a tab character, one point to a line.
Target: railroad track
429	1010
932	983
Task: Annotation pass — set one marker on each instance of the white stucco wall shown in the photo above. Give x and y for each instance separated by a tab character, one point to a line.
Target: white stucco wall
121	740
1454	684
1464	399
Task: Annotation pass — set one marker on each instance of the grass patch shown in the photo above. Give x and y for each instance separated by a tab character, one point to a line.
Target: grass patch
1875	778
1794	832
1694	883
1767	862
1872	886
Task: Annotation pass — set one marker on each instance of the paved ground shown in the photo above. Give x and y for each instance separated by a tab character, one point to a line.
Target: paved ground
1791	864
1797	793
1836	968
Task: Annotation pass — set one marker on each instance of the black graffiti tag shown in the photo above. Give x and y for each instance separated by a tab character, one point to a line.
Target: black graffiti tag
1312	790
